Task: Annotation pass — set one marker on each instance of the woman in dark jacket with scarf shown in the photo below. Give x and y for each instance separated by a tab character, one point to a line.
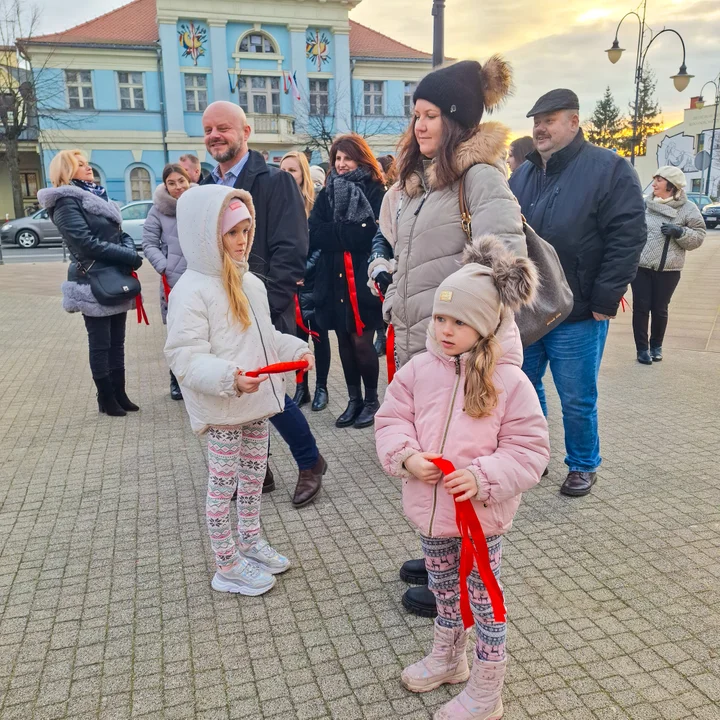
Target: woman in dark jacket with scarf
342	226
91	227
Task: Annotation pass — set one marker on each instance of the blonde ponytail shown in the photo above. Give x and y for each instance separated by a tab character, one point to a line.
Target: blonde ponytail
232	282
481	395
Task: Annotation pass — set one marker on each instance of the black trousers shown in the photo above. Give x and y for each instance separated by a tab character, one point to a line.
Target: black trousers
359	359
106	341
652	292
322	355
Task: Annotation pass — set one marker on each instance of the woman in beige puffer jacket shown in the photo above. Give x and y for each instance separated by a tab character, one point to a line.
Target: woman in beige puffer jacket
420	218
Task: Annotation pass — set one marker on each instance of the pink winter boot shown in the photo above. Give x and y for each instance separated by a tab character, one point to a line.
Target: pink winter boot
446	663
480	700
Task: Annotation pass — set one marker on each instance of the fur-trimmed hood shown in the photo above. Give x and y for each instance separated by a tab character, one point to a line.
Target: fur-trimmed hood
48	197
488	146
164	201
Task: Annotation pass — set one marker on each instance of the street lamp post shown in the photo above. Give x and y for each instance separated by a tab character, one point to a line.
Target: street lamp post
680	80
700	105
438	12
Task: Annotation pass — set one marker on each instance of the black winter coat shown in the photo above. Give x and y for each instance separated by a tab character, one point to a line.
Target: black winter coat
280	247
588	205
306	290
90	237
333	310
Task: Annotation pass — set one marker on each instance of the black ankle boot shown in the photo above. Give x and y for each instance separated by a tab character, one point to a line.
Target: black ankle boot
367	415
320	401
643	357
302	392
420	601
354	408
106	400
175	391
118	383
380	342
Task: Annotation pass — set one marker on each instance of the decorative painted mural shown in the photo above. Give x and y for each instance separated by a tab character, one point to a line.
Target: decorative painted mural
678	151
317	48
193	39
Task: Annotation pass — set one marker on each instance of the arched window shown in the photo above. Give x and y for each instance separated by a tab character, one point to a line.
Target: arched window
97	176
257	42
140	184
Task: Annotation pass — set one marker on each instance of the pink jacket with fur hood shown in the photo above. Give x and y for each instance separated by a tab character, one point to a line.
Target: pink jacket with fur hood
506	451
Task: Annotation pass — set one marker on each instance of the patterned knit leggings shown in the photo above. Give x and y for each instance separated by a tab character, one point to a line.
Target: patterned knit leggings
237	458
442	560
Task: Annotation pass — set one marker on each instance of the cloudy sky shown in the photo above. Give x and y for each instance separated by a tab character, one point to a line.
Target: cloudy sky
551	43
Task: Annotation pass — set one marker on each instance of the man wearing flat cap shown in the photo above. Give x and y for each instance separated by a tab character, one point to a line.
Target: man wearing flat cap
587	203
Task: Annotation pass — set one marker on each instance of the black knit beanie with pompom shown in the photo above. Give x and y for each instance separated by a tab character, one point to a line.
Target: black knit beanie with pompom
463	91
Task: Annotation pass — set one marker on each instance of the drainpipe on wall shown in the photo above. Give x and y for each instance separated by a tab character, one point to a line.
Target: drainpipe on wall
352	98
162	104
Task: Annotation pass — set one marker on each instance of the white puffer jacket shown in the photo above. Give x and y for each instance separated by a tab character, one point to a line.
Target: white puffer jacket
205	347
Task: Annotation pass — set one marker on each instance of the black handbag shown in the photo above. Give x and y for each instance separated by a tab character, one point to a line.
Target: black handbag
110	284
554	300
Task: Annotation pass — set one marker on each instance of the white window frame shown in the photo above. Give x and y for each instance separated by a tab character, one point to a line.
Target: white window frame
131	86
195	90
316	96
128	181
251	93
375	96
410	87
275	49
85	104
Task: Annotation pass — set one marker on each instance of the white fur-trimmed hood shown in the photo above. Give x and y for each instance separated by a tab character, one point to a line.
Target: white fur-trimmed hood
48	197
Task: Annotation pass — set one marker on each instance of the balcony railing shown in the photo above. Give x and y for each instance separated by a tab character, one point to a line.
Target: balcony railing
272	124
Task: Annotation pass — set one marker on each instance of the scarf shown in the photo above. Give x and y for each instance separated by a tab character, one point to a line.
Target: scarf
92	187
346	198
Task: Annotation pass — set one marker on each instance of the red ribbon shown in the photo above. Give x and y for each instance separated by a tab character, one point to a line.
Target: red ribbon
301	324
352	290
390	344
141	314
623	303
473	548
166	287
299	365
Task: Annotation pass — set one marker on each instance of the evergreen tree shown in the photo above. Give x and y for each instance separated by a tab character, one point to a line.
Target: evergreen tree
606	123
648	112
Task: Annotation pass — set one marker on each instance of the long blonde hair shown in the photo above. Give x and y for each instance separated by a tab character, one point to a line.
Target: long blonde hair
481	395
307	189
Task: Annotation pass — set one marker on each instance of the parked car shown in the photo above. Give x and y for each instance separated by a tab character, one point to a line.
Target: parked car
711	214
134	215
699	199
30	231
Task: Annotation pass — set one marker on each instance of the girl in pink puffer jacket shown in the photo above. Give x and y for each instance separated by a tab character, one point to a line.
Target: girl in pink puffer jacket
467	400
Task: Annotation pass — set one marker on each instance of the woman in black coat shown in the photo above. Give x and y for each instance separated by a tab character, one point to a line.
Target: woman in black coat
342	226
90	225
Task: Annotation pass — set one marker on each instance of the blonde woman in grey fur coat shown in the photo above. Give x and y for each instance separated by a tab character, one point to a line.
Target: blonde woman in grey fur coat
160	241
674	226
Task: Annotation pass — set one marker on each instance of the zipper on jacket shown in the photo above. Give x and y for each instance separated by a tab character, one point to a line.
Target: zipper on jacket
407	273
444	438
267	359
663	257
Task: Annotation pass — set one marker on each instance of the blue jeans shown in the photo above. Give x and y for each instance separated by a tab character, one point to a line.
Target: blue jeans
295	431
574	352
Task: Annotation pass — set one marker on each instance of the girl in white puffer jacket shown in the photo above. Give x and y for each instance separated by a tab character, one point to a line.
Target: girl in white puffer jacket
219	327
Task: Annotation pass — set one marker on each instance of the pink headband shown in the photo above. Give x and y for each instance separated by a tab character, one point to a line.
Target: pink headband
235	213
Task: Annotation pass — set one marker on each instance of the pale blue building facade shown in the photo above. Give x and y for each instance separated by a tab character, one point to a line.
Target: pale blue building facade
131	86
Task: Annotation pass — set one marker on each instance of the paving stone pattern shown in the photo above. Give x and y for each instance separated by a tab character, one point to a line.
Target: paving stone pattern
106	609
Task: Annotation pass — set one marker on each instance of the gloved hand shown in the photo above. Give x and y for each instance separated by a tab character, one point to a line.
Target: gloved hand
384	280
137	262
671	231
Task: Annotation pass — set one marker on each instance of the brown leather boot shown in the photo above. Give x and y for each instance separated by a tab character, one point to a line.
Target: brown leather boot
309	482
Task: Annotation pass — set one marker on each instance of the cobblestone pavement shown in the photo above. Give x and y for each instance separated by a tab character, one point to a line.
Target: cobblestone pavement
106	609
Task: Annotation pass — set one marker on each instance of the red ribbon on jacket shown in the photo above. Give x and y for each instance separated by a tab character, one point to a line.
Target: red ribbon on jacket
299	365
166	287
301	324
473	548
390	344
352	290
141	314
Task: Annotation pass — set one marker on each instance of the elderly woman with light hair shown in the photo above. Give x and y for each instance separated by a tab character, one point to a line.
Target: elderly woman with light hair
91	227
674	226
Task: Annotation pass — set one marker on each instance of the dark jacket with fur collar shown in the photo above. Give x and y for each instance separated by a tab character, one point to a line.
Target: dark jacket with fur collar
92	230
421	222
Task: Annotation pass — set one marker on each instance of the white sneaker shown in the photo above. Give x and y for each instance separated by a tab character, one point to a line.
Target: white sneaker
269	559
246	578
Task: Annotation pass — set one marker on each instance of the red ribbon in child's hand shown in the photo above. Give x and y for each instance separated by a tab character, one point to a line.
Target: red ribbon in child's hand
141	314
299	365
474	546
